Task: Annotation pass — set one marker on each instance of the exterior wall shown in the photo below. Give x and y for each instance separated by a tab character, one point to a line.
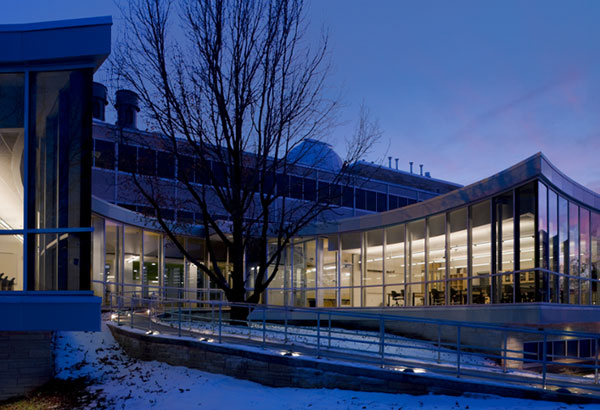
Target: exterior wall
26	362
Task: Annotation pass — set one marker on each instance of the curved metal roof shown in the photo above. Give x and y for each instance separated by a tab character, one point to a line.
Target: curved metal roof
535	167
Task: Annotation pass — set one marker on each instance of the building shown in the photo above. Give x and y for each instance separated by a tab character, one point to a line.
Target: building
46	72
520	247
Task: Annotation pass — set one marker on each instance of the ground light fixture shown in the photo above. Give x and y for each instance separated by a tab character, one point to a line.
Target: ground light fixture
289	353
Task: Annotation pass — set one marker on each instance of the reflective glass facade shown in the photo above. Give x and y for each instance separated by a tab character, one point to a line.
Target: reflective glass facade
45	169
497	251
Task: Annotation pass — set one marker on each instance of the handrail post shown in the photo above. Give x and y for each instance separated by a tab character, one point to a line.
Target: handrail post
131	315
439	352
504	352
318	335
329	343
596	362
220	321
179	321
285	330
458	351
264	338
544	360
382	340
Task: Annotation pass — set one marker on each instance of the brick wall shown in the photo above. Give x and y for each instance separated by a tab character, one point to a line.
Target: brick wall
25	362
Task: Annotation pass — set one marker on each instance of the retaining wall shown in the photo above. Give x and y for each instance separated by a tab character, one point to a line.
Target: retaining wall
272	369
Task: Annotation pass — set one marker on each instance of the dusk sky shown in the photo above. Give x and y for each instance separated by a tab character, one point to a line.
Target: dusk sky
466	88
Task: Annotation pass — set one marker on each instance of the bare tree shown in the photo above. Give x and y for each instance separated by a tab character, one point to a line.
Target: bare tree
236	86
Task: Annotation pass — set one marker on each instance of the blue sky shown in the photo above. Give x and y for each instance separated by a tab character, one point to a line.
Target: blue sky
466	88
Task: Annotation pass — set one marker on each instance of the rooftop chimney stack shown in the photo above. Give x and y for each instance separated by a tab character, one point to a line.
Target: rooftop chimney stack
99	101
127	108
428	174
411	165
396	163
390	161
421	166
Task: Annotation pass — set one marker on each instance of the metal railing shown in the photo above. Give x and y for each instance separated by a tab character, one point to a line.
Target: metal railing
442	347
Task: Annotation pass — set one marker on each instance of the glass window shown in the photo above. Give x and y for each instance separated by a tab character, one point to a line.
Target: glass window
112	260
504	229
350	269
348	196
529	280
595	254
132	272
373	275
457	255
371	201
584	254
415	292
563	255
147	161
104	154
174	269
283	185
98	256
197	281
543	240
323	193
481	251
276	295
12	94
553	244
150	277
381	202
296	187
310	189
328	272
394	265
167	165
360	198
573	253
185	168
305	273
436	248
127	158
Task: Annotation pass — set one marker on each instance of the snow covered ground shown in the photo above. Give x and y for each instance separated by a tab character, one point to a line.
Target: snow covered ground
124	383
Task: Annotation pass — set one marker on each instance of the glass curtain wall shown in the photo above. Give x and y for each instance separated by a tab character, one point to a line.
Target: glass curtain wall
481	251
595	254
132	272
528	282
573	261
415	288
276	292
395	265
584	254
504	253
328	274
563	255
174	272
457	256
350	269
553	245
12	137
373	276
543	246
436	259
59	164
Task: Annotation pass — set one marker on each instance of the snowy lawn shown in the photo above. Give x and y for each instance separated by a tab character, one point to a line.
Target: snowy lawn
124	383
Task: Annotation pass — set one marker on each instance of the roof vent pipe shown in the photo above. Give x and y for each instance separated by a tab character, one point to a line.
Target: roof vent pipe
127	106
99	101
428	174
396	163
411	165
390	161
421	166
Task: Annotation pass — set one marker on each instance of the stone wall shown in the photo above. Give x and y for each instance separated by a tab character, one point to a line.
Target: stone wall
26	362
272	369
